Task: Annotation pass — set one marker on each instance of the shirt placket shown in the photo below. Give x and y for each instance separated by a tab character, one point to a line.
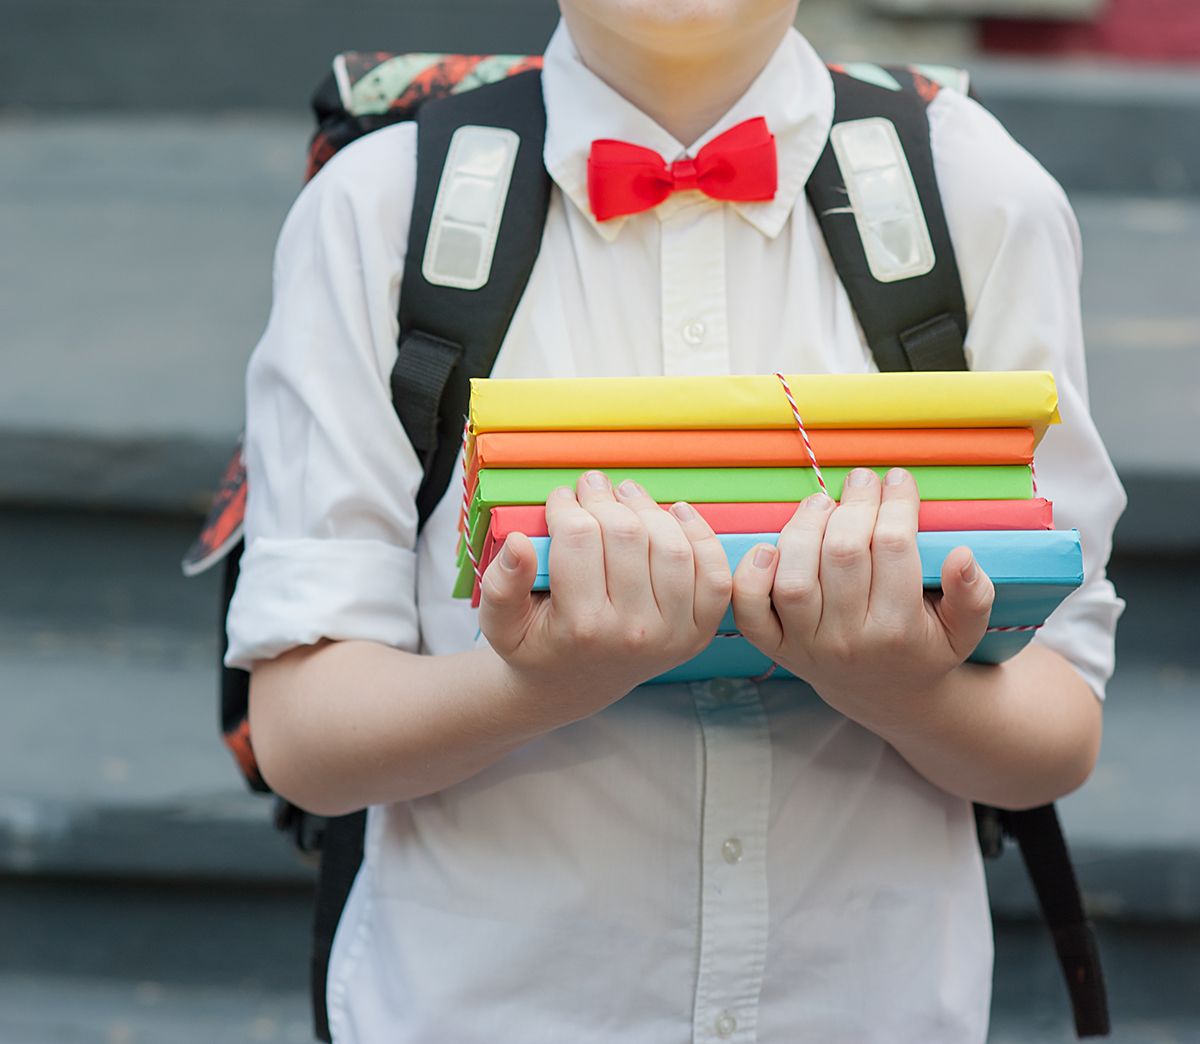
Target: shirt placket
733	861
694	312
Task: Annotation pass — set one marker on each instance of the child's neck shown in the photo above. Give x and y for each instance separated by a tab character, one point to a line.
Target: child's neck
684	76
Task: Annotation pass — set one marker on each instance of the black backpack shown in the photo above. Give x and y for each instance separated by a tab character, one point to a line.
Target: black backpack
448	335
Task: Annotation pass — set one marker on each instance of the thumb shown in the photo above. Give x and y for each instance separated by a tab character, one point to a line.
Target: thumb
506	601
966	602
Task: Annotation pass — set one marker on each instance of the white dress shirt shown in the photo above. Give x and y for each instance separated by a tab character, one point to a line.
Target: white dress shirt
725	861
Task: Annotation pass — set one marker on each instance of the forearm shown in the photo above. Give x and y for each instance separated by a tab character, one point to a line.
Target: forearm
343	725
1017	735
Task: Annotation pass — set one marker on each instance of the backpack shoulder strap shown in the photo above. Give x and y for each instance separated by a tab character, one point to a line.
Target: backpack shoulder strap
914	323
920	323
340	843
448	333
1039	836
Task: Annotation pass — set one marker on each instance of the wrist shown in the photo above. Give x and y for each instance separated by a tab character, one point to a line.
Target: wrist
898	710
546	700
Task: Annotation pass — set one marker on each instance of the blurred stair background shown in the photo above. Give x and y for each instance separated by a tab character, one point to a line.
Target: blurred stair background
143	179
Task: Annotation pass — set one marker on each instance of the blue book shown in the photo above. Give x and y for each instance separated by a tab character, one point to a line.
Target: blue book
1033	571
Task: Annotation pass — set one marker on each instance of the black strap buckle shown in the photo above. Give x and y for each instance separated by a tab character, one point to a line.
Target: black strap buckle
936	344
423	367
306	830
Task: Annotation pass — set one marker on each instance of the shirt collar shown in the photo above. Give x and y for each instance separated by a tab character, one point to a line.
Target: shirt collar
794	93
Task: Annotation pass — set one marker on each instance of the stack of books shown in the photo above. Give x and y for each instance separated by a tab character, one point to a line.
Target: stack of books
732	447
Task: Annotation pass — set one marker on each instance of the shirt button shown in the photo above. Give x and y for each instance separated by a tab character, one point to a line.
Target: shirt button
722	689
731	851
693	332
726	1025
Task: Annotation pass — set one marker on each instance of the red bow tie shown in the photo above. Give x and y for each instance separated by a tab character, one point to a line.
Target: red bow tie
738	164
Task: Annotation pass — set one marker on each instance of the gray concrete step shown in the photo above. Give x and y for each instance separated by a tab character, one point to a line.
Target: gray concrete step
135	279
1100	126
172	55
158	962
129	57
145	897
108	658
57	1010
115	671
153	795
1151	978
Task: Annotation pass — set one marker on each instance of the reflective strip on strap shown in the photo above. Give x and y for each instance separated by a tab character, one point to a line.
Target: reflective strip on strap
470	201
883	199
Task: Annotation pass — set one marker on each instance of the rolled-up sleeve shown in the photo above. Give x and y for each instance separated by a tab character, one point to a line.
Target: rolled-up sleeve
331	520
1018	248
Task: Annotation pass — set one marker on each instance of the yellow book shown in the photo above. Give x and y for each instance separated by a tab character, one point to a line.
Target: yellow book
1026	399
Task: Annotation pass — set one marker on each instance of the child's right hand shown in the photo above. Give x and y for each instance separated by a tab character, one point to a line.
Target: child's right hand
637	591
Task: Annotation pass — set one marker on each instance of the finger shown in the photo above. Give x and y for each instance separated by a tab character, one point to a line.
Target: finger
506	606
713	585
576	555
626	547
846	555
797	589
672	570
753	610
966	602
897	598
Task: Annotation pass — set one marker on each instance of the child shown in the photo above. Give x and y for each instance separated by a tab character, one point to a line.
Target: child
554	853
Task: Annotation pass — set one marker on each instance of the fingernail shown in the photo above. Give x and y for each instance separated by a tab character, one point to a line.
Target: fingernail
764	556
508	557
895	477
818	502
629	488
683	511
858	478
596	479
970	572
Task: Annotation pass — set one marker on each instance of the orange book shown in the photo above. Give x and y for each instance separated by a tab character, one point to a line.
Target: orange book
749	449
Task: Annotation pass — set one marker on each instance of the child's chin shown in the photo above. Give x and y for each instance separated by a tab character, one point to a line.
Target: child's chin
654	16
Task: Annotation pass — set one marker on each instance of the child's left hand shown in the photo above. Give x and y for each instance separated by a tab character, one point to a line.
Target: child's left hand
840	602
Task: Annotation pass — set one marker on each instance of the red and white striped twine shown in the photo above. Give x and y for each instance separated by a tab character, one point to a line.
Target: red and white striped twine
466	507
758	677
787	391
